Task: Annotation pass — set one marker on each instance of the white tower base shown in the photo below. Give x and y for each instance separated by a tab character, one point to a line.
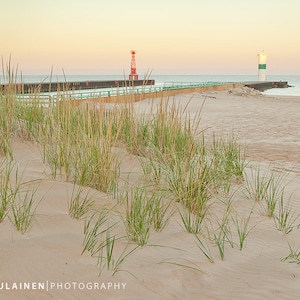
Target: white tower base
262	75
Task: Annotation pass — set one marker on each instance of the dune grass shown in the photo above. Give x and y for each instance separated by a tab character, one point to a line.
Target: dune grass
223	235
242	228
23	210
139	215
79	146
18	199
293	256
192	221
285	218
80	203
228	162
93	228
180	166
204	248
5	191
265	188
100	242
269	190
7	119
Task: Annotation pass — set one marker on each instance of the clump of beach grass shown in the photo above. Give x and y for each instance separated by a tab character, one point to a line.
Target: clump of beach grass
18	199
285	217
134	130
5	187
242	226
257	185
172	130
192	221
23	209
293	256
162	211
223	235
139	214
266	188
275	191
189	181
80	204
93	228
22	199
100	242
228	162
7	109
152	169
78	143
203	248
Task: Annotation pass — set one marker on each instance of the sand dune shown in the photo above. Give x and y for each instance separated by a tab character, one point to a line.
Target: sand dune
171	266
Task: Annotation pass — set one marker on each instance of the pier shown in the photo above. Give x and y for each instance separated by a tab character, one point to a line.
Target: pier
48	87
115	91
266	85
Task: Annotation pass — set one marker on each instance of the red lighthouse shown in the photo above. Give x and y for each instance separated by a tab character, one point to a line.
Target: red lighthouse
133	75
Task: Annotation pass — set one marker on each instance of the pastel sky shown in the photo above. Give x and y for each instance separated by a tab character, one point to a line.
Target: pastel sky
169	36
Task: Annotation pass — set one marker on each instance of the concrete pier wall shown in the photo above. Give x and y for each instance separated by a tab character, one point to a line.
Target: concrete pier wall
265	85
46	87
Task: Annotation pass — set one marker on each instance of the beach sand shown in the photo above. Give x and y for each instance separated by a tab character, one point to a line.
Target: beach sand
171	266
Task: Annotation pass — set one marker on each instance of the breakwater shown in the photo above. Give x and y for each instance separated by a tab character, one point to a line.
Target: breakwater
46	87
117	91
265	85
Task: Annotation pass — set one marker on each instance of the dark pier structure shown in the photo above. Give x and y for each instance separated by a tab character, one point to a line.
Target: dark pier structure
46	87
266	85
